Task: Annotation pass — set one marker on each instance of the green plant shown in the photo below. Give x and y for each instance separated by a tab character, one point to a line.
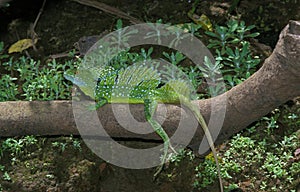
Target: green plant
243	150
274	161
212	73
222	37
60	145
240	61
274	166
294	169
232	187
206	174
15	148
263	185
18	146
8	88
30	140
77	144
176	158
233	54
46	83
29	80
174	58
288	144
233	33
292	119
2	167
271	122
13	145
6	176
193	74
2	54
69	141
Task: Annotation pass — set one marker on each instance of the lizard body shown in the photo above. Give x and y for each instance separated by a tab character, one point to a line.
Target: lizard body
140	84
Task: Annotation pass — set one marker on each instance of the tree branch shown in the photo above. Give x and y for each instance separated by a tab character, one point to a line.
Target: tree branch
275	83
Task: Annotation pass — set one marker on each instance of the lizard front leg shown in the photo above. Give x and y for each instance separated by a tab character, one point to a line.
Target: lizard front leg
150	107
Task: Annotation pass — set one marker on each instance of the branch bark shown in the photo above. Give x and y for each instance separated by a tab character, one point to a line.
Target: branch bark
276	82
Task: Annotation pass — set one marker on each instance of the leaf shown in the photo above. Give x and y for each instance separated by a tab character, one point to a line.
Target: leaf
203	20
211	34
252	35
21	45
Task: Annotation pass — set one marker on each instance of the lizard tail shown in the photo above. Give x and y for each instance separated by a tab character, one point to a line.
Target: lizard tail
208	136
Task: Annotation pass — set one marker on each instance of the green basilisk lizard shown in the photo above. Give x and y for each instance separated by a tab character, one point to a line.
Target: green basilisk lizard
140	84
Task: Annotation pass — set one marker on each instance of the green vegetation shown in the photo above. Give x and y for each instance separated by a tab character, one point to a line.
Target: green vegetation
69	142
18	150
13	149
232	52
266	160
27	79
273	156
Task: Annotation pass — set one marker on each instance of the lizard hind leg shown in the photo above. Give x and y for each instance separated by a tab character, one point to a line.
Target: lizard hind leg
150	107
